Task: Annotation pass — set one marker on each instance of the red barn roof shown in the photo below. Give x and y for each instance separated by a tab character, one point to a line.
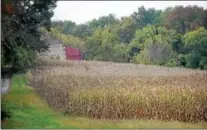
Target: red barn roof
73	53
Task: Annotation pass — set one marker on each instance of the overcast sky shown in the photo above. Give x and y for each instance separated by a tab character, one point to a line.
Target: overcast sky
83	11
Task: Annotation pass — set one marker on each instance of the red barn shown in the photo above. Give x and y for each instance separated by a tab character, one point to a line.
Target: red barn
73	53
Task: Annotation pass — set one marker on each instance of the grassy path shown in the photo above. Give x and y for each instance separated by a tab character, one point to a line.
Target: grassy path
30	111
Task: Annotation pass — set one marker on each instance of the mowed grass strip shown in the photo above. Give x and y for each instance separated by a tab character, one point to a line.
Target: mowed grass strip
30	111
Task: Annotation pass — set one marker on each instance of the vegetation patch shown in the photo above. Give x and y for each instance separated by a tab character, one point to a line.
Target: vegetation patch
76	91
30	111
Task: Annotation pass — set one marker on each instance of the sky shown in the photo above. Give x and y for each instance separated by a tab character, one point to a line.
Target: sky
83	11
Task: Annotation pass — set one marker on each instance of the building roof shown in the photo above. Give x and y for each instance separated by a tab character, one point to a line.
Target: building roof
71	51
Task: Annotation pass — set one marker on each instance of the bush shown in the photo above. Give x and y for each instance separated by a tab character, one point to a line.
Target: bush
203	63
172	63
182	60
5	112
193	60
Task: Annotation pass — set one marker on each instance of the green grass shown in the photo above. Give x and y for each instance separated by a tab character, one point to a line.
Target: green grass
30	111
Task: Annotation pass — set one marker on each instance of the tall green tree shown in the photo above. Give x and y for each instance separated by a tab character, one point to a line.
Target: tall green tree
164	15
156	51
145	17
205	19
58	24
151	42
69	27
149	32
104	45
196	48
82	31
20	31
125	29
103	21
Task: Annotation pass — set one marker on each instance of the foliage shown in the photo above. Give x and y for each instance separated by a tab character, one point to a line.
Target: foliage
184	19
146	17
20	31
192	59
103	21
196	48
150	32
103	45
68	39
82	31
155	52
125	29
164	15
178	30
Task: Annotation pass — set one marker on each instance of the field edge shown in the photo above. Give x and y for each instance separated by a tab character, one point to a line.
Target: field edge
30	111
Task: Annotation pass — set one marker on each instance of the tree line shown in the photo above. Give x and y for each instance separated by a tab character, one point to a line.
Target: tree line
176	36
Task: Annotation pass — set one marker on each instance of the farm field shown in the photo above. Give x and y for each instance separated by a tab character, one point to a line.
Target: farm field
110	94
30	111
105	90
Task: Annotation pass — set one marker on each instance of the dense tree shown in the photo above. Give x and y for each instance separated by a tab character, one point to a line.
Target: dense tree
157	51
145	17
69	27
205	19
173	37
67	39
196	48
125	29
184	19
103	45
164	15
149	32
58	25
20	31
103	21
82	31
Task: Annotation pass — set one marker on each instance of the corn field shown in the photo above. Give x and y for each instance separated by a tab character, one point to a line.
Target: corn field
121	91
